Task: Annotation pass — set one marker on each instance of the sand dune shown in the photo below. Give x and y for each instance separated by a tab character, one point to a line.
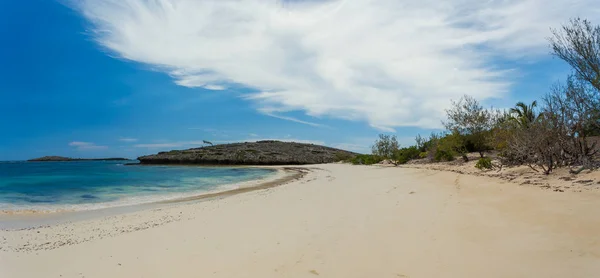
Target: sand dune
337	221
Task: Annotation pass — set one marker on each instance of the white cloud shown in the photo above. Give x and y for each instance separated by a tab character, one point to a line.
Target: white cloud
214	87
128	140
387	62
86	146
270	113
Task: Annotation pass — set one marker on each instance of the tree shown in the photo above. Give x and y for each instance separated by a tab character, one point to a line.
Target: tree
420	143
573	109
559	136
207	142
578	44
385	146
535	146
470	120
522	114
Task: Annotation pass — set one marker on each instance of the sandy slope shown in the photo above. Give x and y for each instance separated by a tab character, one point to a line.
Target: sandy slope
340	221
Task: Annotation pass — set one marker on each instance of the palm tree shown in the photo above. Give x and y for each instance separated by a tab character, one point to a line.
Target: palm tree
524	114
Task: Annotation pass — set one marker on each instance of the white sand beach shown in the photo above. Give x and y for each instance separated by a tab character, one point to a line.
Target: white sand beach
337	221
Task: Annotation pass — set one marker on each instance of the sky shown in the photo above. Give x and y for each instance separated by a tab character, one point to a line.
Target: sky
106	78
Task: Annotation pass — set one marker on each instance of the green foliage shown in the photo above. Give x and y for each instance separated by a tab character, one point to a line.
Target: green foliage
404	155
385	146
523	115
343	156
484	163
468	119
443	155
503	131
366	159
450	146
443	147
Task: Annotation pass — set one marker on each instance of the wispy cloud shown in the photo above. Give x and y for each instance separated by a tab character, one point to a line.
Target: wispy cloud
287	118
387	62
86	146
128	140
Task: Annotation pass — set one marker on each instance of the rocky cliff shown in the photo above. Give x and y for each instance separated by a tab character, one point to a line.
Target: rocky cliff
255	153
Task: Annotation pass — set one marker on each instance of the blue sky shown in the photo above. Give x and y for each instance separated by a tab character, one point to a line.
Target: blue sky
127	78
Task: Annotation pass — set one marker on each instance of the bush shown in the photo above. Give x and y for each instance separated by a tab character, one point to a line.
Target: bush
343	156
484	163
423	155
404	155
444	147
443	155
366	159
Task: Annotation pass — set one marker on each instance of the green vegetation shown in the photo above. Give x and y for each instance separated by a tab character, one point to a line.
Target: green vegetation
523	115
366	159
469	122
343	156
385	146
484	163
403	155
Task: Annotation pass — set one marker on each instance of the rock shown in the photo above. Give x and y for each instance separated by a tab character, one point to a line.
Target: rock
62	158
255	153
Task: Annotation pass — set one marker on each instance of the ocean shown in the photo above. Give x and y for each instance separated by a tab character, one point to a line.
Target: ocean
86	185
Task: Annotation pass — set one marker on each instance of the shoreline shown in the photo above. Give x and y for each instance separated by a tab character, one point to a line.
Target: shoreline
293	173
283	175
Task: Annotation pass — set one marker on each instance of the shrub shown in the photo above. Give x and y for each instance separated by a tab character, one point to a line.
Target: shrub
366	159
423	155
443	147
343	156
404	155
443	155
484	163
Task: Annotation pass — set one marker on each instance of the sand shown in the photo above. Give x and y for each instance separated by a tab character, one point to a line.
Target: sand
337	221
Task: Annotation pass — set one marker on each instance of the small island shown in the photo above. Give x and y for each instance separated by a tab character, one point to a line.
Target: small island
62	158
251	153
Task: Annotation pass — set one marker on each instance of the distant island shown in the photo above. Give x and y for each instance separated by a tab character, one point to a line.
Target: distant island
62	158
251	153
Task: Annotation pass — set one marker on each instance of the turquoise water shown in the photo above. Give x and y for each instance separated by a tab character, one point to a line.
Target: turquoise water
95	184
